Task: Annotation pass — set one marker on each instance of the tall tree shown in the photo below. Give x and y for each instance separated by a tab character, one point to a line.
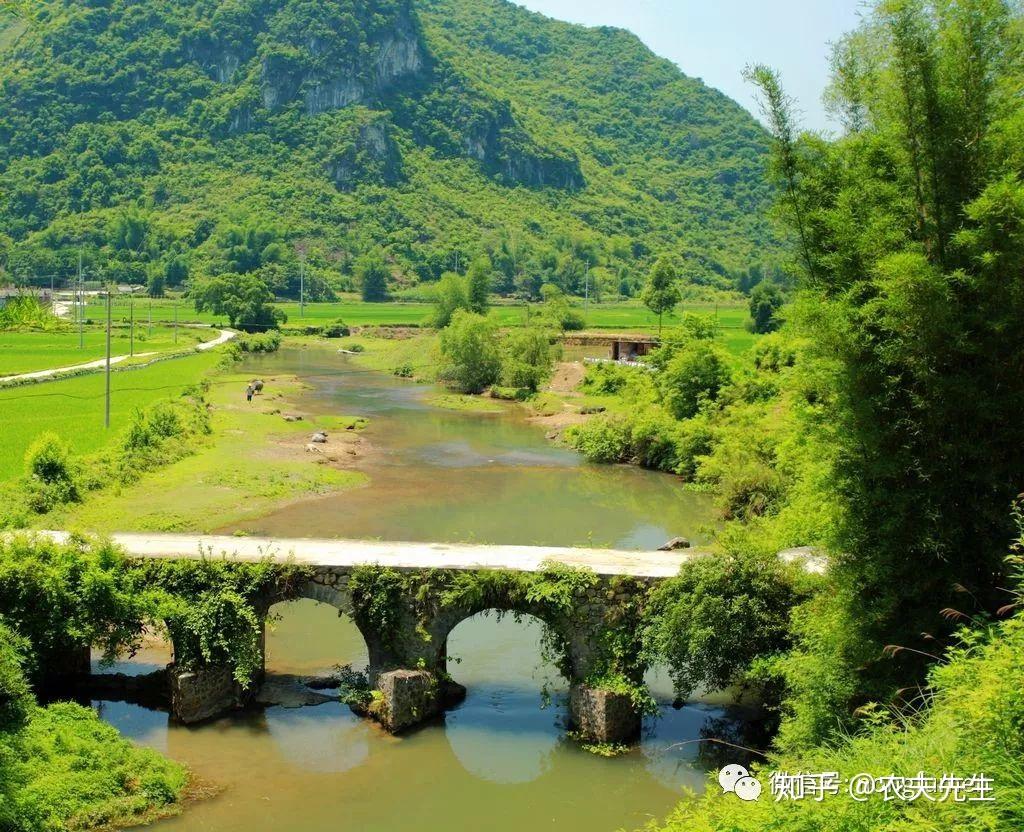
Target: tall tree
372	274
660	293
478	283
911	228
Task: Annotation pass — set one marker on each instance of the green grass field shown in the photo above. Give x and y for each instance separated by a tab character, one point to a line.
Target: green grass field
26	352
73	408
627	315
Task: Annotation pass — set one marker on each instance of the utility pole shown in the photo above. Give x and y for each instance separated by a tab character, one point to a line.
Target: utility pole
302	286
175	320
81	304
151	316
586	289
131	321
106	420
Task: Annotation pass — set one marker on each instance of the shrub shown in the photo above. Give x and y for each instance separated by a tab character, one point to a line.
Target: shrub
51	477
526	359
78	773
693	376
606	379
149	428
15	696
556	312
262	342
606	439
774	352
338	329
404	370
469	347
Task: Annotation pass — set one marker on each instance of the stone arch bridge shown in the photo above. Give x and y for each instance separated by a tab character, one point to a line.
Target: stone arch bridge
590	601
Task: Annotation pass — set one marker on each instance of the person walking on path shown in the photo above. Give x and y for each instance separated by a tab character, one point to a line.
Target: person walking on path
248	394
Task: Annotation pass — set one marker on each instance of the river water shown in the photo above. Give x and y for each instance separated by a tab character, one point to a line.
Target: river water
500	761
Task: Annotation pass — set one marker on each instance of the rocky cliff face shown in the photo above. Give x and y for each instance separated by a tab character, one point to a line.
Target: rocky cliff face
367	152
291	61
312	71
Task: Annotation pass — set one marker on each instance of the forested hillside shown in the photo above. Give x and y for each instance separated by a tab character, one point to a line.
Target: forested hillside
197	137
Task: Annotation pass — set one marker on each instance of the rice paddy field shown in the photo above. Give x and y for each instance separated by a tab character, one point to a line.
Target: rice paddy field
73	408
628	315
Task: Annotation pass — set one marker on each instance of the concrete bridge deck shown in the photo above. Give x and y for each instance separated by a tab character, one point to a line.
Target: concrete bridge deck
347	553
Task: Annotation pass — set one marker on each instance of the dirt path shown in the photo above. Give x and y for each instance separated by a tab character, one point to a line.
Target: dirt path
224	336
567	377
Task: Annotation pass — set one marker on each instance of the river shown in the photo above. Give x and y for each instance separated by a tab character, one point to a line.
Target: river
500	761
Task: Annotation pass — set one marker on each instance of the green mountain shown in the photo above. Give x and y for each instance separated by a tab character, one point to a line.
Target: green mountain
192	137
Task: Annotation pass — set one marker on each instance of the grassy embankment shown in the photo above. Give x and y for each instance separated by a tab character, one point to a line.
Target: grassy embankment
969	723
77	772
253	462
29	351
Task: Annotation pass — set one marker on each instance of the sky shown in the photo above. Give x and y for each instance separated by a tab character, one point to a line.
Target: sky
714	39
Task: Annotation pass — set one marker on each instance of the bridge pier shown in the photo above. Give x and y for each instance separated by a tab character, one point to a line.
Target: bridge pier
205	693
210	691
605	716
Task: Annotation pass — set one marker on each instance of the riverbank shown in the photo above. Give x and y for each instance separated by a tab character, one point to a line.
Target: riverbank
259	456
415	354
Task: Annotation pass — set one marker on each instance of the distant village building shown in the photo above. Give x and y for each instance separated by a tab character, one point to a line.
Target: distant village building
632	347
623	349
43	295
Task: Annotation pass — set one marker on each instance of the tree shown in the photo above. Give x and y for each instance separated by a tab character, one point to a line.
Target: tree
765	301
469	345
694	375
155	289
478	284
556	312
660	294
911	242
129	230
176	271
243	298
451	295
372	274
526	358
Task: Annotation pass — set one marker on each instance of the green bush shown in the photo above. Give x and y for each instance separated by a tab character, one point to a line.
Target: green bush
969	720
605	439
338	329
15	694
261	342
693	376
606	379
526	358
404	371
471	354
79	773
719	616
51	478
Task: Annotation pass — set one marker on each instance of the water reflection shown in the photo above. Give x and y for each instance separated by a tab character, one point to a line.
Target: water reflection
502	732
440	475
328	739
